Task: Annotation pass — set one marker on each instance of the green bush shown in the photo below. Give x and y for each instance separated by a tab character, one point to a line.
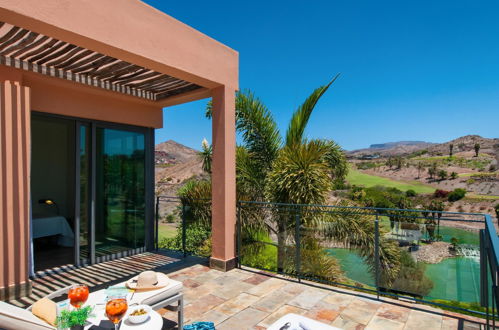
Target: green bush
198	241
410	193
366	165
411	278
496	208
170	218
258	251
456	194
470	181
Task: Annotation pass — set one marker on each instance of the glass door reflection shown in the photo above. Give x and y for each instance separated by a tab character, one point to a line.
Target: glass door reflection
84	192
120	191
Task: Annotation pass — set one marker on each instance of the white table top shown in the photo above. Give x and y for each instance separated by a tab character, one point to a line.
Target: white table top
155	321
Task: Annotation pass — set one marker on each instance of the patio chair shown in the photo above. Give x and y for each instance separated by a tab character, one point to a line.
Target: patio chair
13	317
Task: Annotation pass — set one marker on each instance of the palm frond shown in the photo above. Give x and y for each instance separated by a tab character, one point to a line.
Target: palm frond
299	175
301	116
250	180
335	158
259	130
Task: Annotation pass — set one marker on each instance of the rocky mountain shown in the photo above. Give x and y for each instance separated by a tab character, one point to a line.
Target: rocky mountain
171	152
389	149
389	145
464	144
175	163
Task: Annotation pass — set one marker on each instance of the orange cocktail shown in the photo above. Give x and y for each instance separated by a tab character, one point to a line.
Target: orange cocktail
116	308
78	295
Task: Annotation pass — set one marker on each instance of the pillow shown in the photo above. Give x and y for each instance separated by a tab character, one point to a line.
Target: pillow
45	309
15	318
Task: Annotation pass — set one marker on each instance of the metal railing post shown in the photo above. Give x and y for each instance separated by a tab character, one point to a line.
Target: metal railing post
184	231
298	244
156	234
376	253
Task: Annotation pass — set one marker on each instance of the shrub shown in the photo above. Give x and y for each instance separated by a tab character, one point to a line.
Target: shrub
442	174
496	208
411	277
440	193
366	165
198	240
456	194
470	181
453	175
170	218
384	197
410	193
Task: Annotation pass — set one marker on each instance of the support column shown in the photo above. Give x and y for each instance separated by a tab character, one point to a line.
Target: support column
223	218
14	189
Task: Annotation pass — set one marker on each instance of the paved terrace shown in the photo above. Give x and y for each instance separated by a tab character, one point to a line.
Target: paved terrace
244	299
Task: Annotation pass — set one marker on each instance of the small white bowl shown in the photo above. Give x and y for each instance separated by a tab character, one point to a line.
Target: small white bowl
139	318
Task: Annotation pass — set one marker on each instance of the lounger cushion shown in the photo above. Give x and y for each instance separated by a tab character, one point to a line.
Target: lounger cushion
15	318
152	297
46	310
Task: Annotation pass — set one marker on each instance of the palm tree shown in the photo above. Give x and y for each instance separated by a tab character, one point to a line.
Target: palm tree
451	148
477	149
432	171
206	155
420	167
293	170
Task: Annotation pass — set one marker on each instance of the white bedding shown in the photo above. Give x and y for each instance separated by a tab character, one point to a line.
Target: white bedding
55	225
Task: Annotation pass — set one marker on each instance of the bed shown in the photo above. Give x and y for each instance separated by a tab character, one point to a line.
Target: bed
51	226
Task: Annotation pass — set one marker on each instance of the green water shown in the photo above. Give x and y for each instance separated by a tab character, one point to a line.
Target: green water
453	278
353	265
464	236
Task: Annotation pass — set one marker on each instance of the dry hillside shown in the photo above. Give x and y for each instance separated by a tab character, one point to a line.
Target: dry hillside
464	144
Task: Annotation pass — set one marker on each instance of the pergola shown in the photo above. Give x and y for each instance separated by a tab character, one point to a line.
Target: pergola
115	61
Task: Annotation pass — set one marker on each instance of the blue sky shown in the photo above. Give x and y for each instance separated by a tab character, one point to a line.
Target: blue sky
410	70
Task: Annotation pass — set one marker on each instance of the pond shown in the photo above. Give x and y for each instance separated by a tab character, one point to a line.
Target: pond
453	278
353	265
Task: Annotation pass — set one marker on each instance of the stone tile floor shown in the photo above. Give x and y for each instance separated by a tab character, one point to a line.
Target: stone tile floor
245	299
242	299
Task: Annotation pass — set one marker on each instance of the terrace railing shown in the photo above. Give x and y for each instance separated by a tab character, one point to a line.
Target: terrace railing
432	257
489	262
183	225
447	259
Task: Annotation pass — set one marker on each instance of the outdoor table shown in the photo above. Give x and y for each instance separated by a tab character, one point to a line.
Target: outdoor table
155	321
97	301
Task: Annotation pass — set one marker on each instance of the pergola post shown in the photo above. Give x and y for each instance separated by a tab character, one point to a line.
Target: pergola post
223	221
14	189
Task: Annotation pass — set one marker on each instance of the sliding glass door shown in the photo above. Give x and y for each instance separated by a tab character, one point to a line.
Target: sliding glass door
83	200
120	191
95	183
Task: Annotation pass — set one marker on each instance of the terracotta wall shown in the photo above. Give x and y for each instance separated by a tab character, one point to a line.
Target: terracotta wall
14	186
20	93
223	179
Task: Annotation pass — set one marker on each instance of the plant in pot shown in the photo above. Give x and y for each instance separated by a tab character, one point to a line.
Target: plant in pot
75	319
